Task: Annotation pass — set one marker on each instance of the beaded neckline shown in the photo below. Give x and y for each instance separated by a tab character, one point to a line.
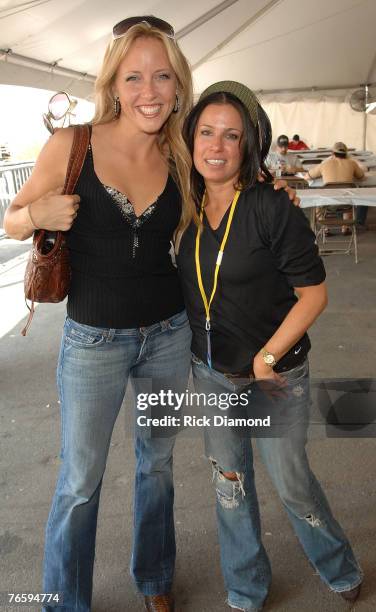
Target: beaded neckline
127	210
126	207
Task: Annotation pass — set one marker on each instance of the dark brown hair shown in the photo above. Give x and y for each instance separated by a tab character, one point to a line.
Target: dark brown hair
255	143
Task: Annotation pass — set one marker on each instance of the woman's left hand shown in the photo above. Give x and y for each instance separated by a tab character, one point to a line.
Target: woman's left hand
282	184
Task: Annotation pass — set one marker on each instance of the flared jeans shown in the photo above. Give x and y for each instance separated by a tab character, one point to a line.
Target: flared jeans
94	367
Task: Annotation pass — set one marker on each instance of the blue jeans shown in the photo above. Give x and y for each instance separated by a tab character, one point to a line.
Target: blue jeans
245	564
93	370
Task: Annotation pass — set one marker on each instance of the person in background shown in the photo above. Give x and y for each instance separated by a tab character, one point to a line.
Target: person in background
288	162
338	168
253	284
297	145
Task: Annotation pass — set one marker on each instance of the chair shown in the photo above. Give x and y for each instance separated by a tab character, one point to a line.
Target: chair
336	217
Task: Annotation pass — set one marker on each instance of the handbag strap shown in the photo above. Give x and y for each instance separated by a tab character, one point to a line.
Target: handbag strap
81	140
80	145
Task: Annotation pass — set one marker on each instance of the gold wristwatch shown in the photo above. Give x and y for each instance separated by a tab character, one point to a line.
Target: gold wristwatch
268	358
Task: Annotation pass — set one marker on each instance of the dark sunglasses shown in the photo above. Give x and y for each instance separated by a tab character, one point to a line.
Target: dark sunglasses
121	28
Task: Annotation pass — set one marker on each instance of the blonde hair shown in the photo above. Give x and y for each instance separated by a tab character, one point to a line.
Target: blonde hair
171	135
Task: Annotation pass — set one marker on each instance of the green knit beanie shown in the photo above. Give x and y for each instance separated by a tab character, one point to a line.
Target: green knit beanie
238	90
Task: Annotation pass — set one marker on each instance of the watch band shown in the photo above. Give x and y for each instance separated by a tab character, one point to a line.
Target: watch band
268	358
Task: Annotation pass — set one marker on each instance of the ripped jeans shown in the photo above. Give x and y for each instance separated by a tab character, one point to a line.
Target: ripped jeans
244	561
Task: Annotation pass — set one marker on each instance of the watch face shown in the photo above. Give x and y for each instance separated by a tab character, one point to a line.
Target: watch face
269	359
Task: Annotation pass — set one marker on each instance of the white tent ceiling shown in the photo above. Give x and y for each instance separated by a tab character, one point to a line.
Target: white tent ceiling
267	44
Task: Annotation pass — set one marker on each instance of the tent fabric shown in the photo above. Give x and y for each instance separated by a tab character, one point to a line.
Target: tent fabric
320	119
270	45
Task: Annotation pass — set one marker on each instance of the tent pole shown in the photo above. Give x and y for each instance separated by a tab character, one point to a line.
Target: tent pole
204	18
253	19
7	55
365	119
365	130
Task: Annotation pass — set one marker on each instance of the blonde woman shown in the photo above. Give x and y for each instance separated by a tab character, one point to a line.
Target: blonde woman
126	317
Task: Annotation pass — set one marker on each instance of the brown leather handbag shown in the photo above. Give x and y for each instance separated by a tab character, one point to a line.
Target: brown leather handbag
48	272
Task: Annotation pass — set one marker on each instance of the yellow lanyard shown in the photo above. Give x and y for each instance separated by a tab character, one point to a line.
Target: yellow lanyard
207	304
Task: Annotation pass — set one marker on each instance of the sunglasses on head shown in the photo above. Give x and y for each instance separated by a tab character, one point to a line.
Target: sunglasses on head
121	28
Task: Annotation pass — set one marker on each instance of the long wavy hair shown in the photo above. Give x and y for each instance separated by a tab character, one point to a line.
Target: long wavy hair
255	144
170	136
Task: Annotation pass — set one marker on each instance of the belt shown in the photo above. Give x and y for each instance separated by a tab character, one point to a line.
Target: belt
239	375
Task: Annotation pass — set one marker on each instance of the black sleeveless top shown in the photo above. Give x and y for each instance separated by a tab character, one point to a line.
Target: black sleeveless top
122	272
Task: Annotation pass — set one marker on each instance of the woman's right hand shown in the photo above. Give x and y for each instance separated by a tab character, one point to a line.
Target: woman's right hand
54	211
269	381
39	203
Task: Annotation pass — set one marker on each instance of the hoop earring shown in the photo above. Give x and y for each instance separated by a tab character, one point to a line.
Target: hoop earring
177	104
116	106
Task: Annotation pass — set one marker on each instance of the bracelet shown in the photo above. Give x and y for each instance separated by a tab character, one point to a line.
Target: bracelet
31	218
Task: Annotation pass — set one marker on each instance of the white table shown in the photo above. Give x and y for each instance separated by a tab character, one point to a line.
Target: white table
369	180
360	196
311	198
319	152
369	161
368	158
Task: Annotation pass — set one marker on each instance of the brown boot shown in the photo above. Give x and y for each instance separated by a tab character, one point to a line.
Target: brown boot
159	603
351	595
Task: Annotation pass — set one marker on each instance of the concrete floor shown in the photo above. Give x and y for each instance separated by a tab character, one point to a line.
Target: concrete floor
344	341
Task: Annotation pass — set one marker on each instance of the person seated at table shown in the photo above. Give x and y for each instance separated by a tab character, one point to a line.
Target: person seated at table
296	144
338	168
288	162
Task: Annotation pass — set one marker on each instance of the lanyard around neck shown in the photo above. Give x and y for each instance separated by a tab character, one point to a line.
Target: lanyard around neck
207	304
